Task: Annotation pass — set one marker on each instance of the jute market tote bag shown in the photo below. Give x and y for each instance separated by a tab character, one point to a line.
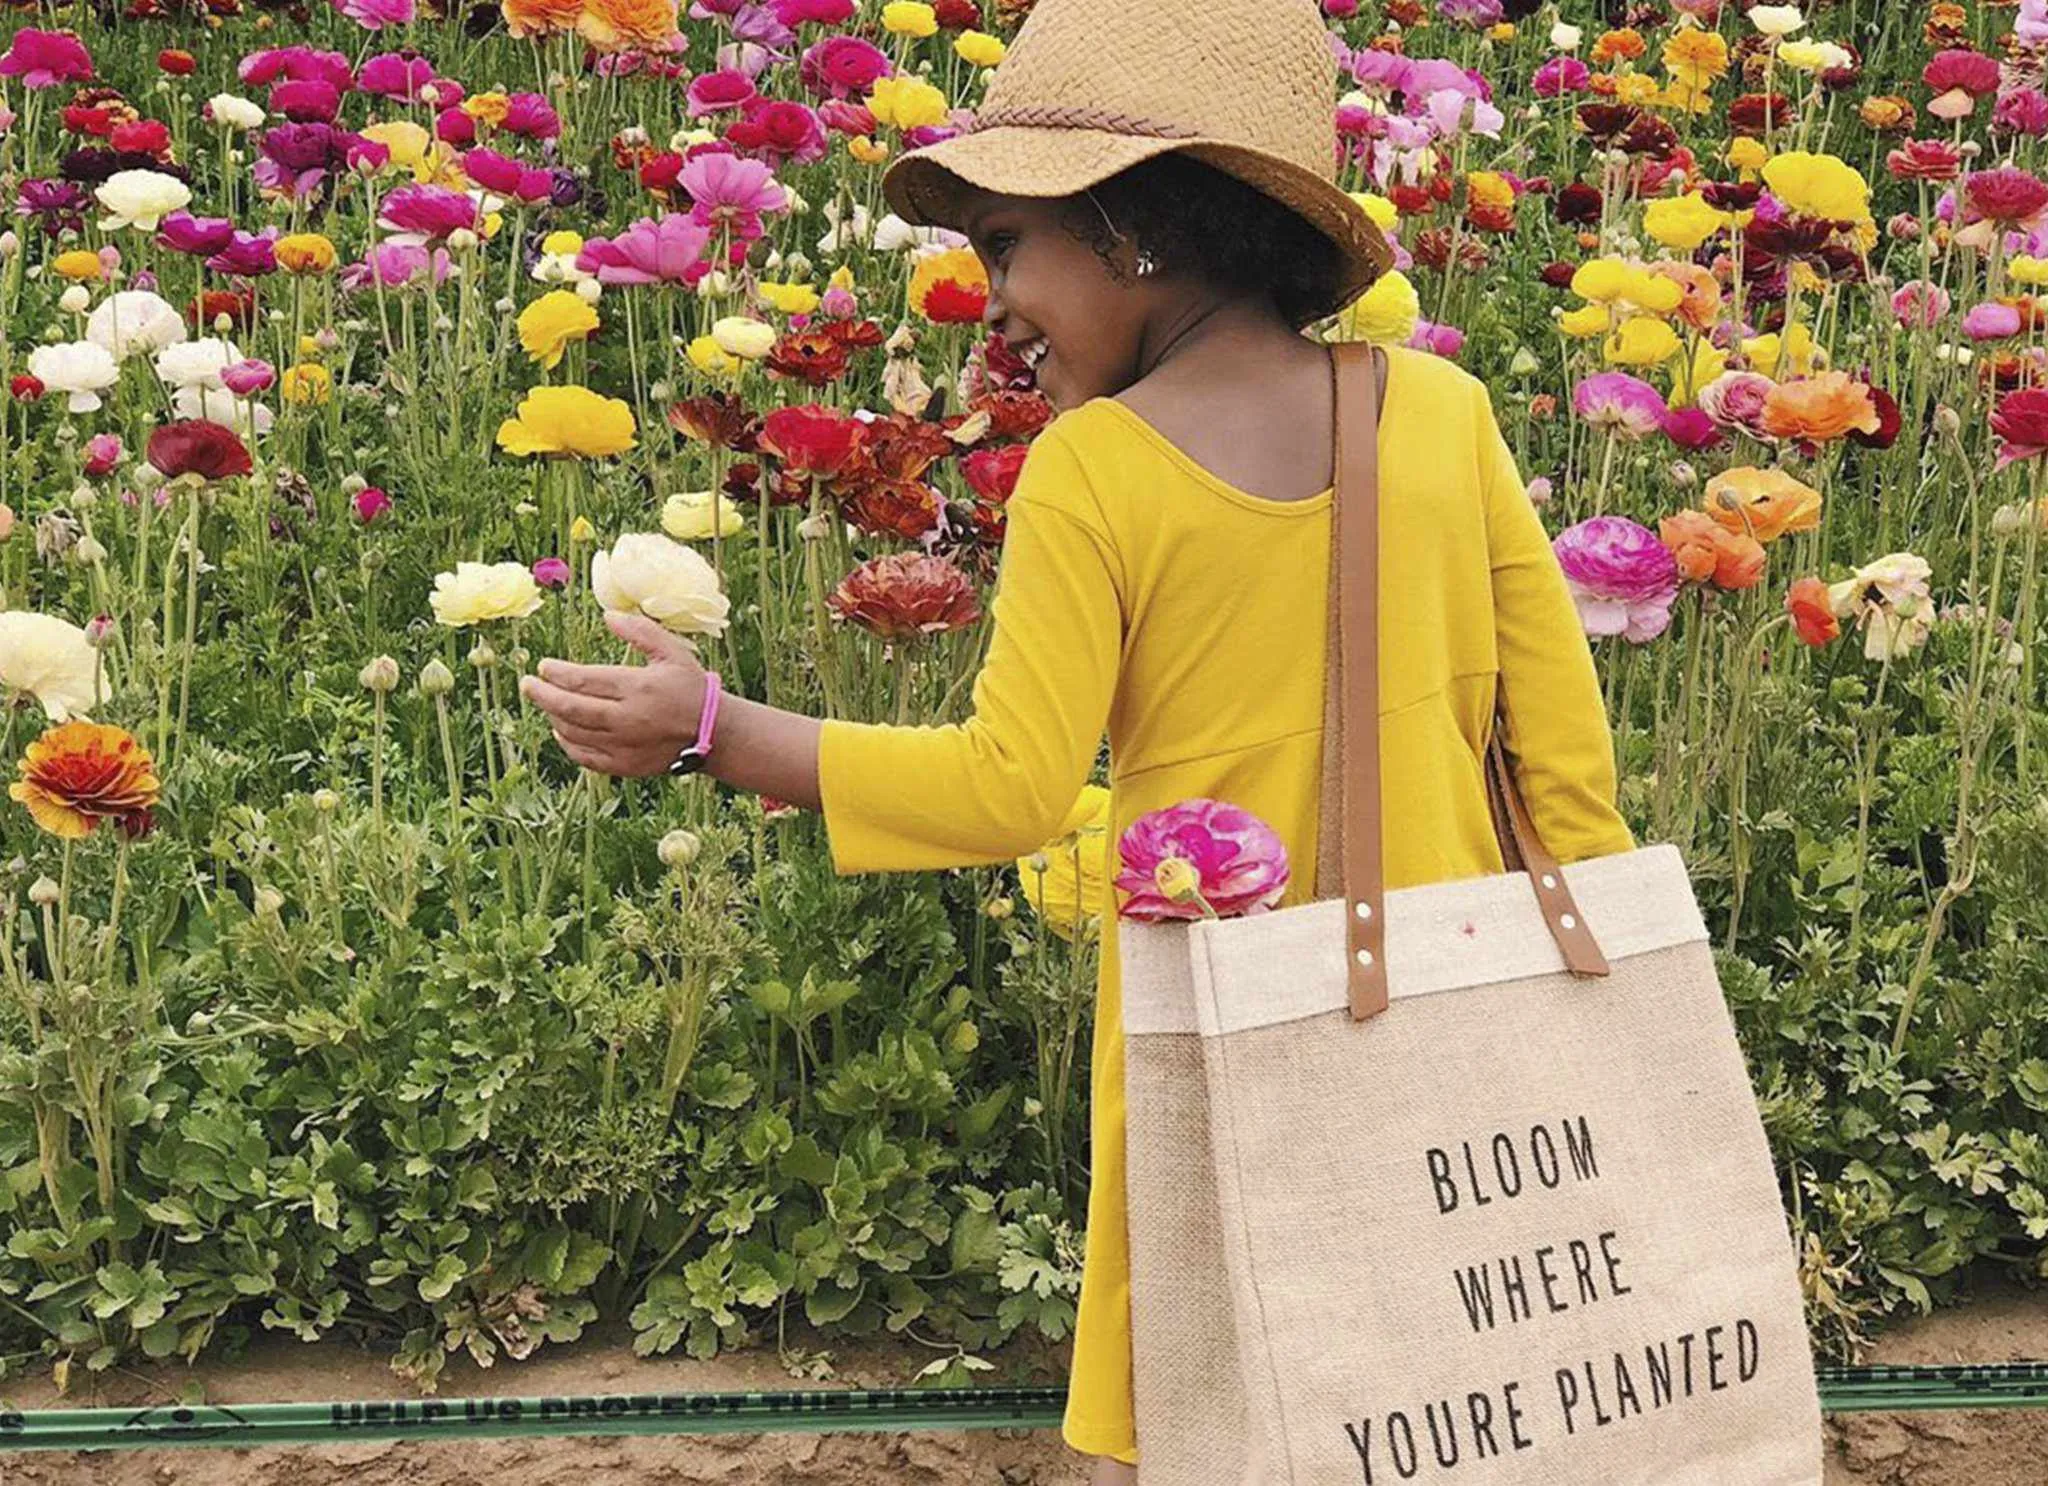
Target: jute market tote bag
1427	1186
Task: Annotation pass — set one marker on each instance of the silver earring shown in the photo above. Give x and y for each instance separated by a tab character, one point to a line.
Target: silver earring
1145	264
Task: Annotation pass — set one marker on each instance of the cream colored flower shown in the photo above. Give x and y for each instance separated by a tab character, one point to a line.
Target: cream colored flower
480	591
748	339
134	322
235	113
1776	20
79	369
652	574
52	659
196	363
140	199
687	515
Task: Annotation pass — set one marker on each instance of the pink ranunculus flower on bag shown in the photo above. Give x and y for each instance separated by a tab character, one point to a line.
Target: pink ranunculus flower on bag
1200	859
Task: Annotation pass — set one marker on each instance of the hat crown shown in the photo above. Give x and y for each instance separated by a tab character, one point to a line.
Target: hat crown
1259	73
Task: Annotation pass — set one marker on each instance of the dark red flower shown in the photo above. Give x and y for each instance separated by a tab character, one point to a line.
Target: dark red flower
906	594
194	446
813	357
719	419
1732	196
908	509
1557	275
957	15
1747	114
1577	205
25	388
1012	415
175	62
1888	420
900	447
811	439
992	473
203	312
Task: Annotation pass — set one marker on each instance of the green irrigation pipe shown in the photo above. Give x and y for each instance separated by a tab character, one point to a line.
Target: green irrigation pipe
1842	1390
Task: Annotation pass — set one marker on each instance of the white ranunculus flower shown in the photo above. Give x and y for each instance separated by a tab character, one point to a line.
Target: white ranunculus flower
686	516
893	234
1566	38
652	574
480	591
74	300
1776	20
196	363
140	199
79	369
135	321
235	113
856	229
744	337
246	416
51	658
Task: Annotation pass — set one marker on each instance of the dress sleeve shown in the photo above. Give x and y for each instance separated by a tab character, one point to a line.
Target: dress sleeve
1554	721
1001	783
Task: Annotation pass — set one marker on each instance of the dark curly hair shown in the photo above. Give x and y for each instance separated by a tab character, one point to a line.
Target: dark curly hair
1194	218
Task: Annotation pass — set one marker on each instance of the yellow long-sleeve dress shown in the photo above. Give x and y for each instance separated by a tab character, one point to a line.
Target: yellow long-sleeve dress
1142	593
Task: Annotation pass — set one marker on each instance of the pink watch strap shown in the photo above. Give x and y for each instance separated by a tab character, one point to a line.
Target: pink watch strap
707	721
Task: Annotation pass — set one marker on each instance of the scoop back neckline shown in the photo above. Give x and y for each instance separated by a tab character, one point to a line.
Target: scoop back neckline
1302	505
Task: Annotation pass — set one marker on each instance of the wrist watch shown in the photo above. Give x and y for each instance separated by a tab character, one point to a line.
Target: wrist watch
692	757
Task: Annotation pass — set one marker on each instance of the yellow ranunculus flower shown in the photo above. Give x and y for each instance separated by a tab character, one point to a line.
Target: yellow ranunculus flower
310	348
979	49
1747	154
744	337
80	265
791	299
842	278
686	515
909	18
1073	887
306	384
1708	362
568	420
1600	279
867	151
1792	355
1488	188
1682	223
479	591
487	108
305	252
1696	57
1818	186
1385	215
906	102
1636	88
559	244
550	323
1585	322
1385	313
407	141
713	359
1642	341
1502	32
2023	269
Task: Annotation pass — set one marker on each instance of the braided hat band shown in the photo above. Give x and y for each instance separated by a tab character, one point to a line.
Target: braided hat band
1090	88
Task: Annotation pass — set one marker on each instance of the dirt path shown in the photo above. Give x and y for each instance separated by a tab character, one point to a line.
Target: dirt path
1972	1448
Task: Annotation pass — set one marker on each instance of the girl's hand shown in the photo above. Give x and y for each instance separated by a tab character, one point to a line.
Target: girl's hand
624	720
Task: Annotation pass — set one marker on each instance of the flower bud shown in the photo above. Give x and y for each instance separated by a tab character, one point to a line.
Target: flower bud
74	300
678	849
99	631
326	800
589	290
814	528
461	240
482	655
1038	862
380	675
87	551
1947	421
43	892
1001	908
268	901
436	680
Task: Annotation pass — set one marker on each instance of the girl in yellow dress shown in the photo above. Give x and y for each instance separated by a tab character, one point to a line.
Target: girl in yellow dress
1150	186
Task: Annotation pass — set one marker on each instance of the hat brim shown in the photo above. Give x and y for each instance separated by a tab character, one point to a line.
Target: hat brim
925	187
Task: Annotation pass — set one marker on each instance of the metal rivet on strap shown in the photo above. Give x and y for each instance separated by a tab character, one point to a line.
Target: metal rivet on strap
1365	958
1549	880
1568	921
1363	910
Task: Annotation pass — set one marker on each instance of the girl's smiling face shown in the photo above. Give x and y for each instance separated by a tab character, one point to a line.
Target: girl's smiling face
1055	300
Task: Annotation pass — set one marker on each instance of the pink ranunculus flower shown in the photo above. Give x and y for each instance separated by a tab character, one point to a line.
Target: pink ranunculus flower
370	503
200	237
1239	862
42	59
1619	403
551	572
505	176
1690	429
375	15
669	250
311	101
717	92
102	453
1736	400
396	75
1991	321
248	377
531	116
1919	304
1621	576
427	213
727	191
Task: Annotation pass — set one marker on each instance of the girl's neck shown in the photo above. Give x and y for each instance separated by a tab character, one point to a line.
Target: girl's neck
1208	335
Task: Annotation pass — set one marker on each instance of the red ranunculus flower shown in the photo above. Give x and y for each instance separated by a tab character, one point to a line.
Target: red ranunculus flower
175	62
195	446
813	357
718	419
1746	114
906	594
908	509
2021	422
1813	617
957	15
1924	160
1888	420
25	388
900	447
951	302
992	473
1012	415
1959	67
143	137
812	440
240	308
1577	205
2006	194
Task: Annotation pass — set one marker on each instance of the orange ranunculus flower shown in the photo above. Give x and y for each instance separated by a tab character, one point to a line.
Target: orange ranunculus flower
1624	45
1702	303
1818	408
305	252
1696	57
626	25
80	773
1708	552
1813	615
1764	504
541	17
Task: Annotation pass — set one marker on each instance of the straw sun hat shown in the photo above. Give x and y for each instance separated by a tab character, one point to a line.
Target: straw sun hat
1092	87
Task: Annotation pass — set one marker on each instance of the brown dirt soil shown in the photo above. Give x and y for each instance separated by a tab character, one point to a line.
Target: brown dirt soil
1985	1447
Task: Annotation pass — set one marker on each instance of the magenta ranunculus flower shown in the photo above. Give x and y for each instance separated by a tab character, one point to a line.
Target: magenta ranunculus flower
531	116
313	101
843	67
508	177
102	453
296	64
1691	429
1621	576
248	377
370	503
665	251
200	237
42	59
1621	404
427	213
1239	862
1561	75
727	191
396	75
718	92
375	15
247	255
551	572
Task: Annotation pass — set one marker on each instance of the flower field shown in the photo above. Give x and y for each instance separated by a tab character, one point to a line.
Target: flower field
357	356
